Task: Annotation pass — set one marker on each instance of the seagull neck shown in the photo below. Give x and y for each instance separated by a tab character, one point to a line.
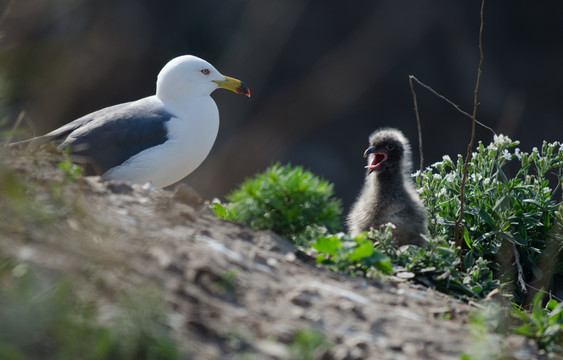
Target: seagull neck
179	101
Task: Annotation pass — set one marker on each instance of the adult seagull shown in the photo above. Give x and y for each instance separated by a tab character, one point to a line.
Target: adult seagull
158	139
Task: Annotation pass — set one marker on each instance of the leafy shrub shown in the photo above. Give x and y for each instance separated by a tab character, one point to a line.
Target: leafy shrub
512	232
288	200
437	265
505	217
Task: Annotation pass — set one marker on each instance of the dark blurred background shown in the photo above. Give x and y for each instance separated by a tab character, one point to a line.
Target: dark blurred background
323	74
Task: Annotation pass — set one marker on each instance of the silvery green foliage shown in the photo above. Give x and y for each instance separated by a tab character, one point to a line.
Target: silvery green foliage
510	201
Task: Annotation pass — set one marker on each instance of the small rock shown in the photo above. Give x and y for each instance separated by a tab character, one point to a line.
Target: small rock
340	352
119	187
187	195
161	256
290	257
405	275
96	184
275	350
412	349
303	298
359	312
26	253
271	241
188	213
148	186
73	224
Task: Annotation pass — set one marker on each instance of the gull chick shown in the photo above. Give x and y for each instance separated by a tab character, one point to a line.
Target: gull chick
388	195
158	139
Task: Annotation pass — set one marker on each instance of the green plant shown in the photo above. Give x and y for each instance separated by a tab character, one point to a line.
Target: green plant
352	255
542	323
437	265
506	217
71	171
288	200
229	281
309	344
26	203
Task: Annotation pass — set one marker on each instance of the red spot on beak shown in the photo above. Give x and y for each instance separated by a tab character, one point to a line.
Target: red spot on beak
243	89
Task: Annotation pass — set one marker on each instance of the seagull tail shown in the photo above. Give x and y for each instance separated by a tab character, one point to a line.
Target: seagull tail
30	143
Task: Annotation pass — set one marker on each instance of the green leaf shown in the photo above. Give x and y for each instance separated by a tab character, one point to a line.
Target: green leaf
551	304
501	203
532	201
466	237
487	218
363	250
486	235
382	263
220	210
469	260
515	239
329	245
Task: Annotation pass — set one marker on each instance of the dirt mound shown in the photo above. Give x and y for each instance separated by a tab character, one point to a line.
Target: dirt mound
230	291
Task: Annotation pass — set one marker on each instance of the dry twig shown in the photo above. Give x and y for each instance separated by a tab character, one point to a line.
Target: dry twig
417	122
427	87
458	226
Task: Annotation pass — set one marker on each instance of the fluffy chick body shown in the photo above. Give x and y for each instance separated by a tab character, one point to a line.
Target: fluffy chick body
388	195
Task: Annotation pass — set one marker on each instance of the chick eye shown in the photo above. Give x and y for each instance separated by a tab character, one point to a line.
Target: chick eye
390	146
205	71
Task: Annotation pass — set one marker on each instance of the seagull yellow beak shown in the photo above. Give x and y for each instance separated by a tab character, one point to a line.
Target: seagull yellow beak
234	85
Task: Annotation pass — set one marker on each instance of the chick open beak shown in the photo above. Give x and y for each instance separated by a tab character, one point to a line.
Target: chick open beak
378	158
234	85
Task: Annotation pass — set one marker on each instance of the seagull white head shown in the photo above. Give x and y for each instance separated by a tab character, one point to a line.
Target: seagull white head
189	75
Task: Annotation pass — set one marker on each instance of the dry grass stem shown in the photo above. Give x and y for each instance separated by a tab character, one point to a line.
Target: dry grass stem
17	124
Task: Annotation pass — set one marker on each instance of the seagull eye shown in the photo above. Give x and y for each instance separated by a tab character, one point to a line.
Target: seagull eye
390	146
205	71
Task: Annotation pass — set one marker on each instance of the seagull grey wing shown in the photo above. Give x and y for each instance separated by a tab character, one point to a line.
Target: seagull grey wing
67	129
118	134
60	133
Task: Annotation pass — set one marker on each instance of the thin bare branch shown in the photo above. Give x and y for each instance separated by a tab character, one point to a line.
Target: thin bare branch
458	226
427	87
549	293
417	123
